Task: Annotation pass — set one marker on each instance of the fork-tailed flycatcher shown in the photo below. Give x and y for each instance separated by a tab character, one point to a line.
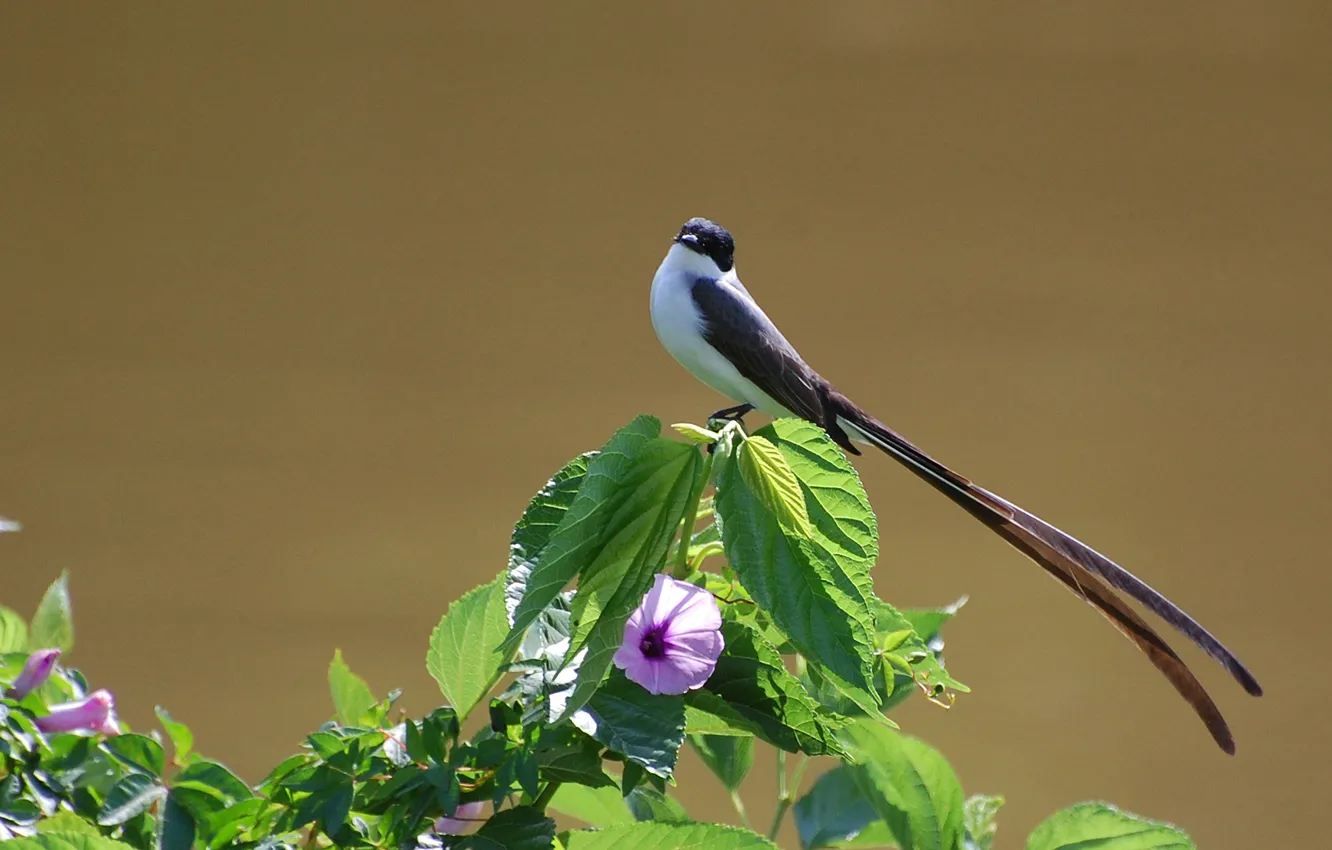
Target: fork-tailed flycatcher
709	322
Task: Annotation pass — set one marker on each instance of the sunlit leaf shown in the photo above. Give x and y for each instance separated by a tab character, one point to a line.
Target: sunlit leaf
352	697
63	821
708	714
600	807
769	477
695	434
182	739
52	626
465	654
980	813
65	841
13	631
533	530
1105	827
544	570
643	485
658	835
817	589
909	784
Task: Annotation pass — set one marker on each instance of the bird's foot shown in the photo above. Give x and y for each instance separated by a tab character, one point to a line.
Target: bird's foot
726	416
731	414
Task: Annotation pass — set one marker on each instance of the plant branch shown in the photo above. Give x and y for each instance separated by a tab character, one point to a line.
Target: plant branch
682	567
786	791
546	794
740	809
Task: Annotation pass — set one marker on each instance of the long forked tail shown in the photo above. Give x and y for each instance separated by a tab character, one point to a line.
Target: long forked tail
1081	569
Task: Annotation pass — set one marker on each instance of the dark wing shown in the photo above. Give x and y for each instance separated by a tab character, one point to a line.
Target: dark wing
735	326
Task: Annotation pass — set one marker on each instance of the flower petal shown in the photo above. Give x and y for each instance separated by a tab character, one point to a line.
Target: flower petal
690	627
467	818
35	672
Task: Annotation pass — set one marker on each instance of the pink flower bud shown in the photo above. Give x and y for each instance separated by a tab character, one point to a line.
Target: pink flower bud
35	672
94	713
467	818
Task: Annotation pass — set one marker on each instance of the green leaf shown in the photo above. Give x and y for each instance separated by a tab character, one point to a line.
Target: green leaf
522	828
465	654
696	435
600	807
817	589
139	752
65	841
641	487
175	827
708	714
980	814
532	533
566	755
223	826
909	784
643	727
658	835
929	622
129	797
214	779
64	821
53	624
13	631
352	697
182	739
336	806
647	803
926	665
769	477
1105	827
835	814
727	756
756	685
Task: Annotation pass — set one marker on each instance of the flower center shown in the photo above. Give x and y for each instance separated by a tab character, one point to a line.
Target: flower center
653	644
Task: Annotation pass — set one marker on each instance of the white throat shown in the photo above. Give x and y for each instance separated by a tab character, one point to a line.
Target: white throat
683	262
679	326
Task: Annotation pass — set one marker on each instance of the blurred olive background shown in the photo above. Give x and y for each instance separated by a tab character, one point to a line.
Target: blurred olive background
302	302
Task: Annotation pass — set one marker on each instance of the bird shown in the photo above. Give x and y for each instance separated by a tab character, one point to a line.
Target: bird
707	320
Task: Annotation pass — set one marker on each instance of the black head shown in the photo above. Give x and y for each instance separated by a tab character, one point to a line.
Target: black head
709	239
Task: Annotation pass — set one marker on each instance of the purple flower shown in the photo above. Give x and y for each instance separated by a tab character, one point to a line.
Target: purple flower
94	713
671	642
466	819
35	672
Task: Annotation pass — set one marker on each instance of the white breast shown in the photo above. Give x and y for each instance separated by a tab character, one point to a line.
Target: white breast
679	326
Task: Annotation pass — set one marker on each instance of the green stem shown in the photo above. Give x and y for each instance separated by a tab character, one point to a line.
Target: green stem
785	791
546	794
783	797
682	566
740	809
